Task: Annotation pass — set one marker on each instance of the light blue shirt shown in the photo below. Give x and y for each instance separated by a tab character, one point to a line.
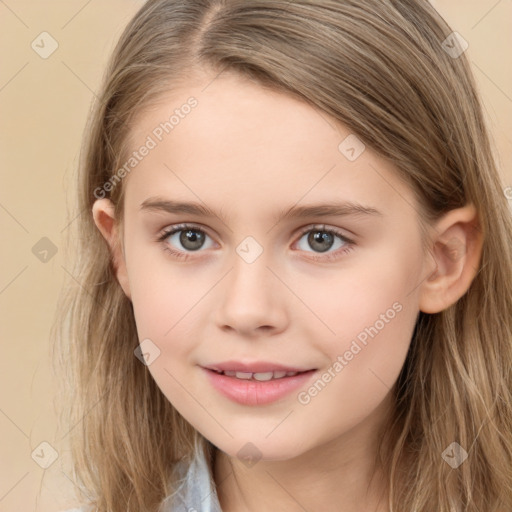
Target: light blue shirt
195	493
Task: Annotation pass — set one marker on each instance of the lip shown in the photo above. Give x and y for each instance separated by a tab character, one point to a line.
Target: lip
254	367
253	392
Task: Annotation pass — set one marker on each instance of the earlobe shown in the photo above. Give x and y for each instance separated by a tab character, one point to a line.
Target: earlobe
103	212
456	251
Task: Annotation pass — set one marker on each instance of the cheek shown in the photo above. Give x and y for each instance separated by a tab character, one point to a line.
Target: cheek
359	375
161	294
363	359
369	315
167	309
370	289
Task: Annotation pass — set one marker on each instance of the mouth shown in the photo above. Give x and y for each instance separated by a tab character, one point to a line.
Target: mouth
257	388
258	376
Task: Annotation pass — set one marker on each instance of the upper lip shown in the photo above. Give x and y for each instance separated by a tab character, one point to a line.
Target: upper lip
254	367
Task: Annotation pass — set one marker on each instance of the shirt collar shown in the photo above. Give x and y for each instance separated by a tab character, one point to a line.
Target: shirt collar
196	491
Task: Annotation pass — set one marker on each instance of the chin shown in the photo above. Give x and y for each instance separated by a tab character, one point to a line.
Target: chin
251	449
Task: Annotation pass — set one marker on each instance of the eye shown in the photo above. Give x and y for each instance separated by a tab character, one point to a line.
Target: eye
188	236
322	240
192	238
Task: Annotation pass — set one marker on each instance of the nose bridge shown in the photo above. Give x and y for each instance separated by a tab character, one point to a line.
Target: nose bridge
250	274
250	297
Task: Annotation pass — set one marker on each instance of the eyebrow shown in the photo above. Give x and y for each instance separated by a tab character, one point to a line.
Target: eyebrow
336	209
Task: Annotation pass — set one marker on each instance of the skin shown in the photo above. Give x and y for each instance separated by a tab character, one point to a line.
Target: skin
249	153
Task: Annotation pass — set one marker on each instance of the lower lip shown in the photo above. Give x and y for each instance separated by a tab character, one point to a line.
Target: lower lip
253	392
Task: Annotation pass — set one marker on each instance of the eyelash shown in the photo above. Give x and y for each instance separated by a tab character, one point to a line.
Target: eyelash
349	244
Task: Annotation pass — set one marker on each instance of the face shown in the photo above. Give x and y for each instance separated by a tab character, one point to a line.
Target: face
333	294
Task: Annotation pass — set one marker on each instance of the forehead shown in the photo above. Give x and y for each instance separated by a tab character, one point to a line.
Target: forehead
230	111
227	138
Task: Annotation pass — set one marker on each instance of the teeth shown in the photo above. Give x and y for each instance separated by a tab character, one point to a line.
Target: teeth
262	376
243	375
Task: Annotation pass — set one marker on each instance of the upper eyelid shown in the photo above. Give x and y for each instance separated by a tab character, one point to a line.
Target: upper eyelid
182	226
322	227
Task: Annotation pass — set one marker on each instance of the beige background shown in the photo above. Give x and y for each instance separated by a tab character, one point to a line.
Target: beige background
44	104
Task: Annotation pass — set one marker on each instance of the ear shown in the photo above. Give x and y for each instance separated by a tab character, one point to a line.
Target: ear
457	248
104	218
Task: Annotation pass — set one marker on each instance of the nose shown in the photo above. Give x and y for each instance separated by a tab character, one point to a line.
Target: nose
251	299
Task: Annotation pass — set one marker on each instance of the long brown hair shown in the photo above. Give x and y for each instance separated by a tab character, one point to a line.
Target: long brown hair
382	68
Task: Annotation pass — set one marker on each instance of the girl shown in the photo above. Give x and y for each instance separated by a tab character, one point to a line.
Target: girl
294	267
